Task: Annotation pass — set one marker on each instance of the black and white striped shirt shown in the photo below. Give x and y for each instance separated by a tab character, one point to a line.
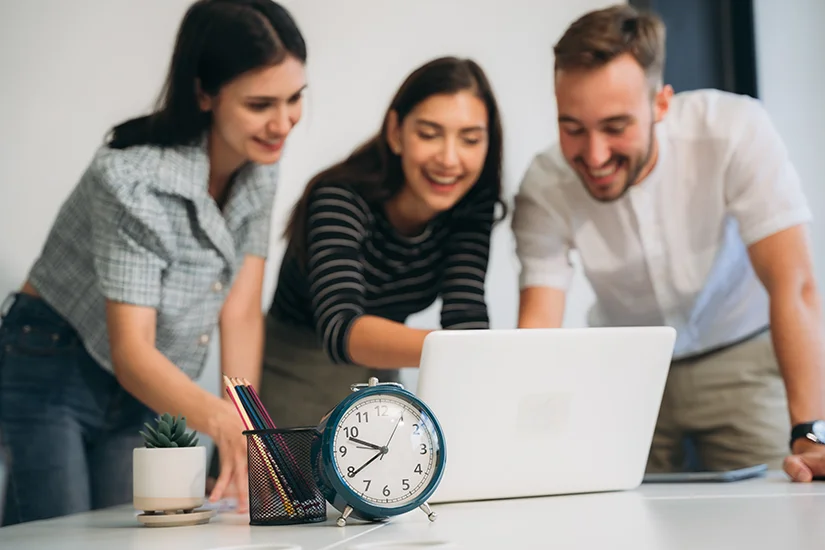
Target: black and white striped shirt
358	264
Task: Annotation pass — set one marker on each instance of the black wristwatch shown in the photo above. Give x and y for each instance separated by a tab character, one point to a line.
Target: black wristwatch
812	431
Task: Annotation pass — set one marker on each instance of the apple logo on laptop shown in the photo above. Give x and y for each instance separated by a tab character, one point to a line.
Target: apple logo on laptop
543	413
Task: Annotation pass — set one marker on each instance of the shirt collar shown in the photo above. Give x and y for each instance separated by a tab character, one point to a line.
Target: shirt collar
184	171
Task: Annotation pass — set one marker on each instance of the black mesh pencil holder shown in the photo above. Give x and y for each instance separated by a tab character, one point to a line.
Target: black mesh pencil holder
282	489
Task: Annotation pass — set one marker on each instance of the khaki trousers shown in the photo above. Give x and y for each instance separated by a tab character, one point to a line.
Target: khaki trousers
731	403
299	383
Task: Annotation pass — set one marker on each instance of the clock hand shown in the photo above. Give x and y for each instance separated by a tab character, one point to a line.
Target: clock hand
370	445
367	463
387	446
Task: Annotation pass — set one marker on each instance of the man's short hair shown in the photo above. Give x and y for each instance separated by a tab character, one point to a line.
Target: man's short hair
598	37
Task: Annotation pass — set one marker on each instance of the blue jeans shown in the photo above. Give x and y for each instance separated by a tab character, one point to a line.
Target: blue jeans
68	427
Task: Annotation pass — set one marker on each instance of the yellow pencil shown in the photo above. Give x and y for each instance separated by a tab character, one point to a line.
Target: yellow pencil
230	388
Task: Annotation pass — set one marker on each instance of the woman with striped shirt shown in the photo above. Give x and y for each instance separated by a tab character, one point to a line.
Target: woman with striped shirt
404	220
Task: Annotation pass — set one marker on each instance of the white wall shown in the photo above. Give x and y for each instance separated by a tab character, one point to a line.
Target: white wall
791	79
70	70
73	69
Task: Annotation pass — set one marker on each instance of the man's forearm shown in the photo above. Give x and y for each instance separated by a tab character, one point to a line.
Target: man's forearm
541	307
796	326
242	344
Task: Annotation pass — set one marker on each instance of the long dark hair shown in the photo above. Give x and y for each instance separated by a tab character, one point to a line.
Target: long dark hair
375	172
218	40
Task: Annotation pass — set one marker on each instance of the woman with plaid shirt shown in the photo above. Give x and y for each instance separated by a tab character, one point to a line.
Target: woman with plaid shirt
162	241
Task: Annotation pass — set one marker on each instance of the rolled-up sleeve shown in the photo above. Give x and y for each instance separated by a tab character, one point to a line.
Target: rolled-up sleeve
762	188
542	234
264	183
128	246
260	227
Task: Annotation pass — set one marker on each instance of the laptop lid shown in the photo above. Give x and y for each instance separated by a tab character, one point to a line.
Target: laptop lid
529	412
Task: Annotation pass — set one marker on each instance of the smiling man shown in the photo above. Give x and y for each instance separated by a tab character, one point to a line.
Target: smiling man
685	211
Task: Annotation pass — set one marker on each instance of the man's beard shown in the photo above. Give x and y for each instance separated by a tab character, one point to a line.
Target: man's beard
634	170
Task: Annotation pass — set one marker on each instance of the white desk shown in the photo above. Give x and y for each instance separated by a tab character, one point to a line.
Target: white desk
769	513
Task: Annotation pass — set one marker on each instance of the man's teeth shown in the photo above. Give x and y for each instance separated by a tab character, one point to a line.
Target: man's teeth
443	181
604	172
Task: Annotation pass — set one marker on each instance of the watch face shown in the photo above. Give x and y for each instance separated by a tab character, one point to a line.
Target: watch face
818	429
386	450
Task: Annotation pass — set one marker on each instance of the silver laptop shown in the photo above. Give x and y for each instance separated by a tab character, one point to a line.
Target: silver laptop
544	411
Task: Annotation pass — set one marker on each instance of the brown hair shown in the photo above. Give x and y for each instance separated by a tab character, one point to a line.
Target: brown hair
598	37
375	171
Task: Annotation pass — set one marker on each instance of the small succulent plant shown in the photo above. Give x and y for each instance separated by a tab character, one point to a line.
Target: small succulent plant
170	432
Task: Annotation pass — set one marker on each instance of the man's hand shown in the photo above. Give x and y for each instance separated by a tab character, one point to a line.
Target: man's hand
807	464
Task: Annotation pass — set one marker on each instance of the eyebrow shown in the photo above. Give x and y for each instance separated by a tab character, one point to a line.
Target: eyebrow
609	120
437	126
273	98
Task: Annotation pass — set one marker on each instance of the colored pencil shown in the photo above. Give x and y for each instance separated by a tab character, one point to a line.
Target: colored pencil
258	445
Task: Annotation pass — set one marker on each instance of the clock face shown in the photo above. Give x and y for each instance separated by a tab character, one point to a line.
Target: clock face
385	450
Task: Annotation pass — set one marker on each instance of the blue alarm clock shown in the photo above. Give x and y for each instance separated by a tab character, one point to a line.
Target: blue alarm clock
379	453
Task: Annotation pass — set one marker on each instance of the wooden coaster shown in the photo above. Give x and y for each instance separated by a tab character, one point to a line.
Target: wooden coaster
179	519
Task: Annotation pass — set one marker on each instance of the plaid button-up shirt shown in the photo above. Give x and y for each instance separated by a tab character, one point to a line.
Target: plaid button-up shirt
141	228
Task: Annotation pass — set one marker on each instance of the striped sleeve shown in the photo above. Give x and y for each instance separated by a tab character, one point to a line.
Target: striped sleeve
465	269
337	221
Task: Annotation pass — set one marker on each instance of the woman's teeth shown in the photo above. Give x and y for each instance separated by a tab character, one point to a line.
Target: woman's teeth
443	181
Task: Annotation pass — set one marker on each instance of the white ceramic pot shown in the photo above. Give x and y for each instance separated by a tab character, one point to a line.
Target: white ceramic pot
169	479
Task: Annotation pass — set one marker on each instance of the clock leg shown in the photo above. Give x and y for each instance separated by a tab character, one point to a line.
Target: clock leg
430	514
342	521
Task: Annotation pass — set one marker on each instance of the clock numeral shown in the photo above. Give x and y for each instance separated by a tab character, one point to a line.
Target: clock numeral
386	491
423	449
365	417
381	410
367	481
351	471
351	432
416	429
418	469
342	450
405	484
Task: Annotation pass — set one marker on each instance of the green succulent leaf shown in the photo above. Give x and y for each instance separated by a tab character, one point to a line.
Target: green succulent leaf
152	431
169	431
180	429
163	428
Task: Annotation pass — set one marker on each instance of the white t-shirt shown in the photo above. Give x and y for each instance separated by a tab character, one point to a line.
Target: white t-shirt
673	250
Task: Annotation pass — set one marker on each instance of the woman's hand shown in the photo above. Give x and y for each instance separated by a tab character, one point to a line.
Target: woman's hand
148	375
226	430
